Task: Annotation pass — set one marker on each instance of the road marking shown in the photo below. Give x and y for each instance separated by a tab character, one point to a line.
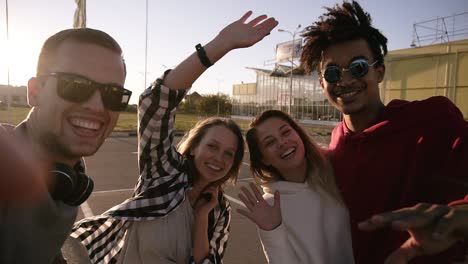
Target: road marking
234	200
87	212
111	191
244	179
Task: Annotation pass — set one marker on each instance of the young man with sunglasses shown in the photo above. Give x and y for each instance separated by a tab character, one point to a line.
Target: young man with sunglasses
409	159
76	99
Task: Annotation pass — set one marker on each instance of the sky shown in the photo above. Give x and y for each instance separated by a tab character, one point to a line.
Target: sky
176	26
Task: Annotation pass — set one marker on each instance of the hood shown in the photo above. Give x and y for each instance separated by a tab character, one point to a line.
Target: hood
424	113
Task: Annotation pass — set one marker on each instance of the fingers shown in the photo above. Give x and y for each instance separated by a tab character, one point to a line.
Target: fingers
253	200
405	253
263	29
256	192
455	223
245	16
246	201
420	215
277	200
257	20
421	218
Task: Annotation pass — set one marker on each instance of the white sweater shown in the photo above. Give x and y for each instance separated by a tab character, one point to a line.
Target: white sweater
315	227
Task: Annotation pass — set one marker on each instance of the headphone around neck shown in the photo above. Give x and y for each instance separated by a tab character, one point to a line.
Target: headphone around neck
69	185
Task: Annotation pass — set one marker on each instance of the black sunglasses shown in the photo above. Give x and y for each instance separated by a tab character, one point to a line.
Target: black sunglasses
358	69
78	89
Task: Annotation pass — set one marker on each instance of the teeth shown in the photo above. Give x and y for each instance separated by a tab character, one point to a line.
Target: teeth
213	167
288	152
348	94
83	123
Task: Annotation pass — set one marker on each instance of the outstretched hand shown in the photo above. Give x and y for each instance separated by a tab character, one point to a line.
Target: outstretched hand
432	228
240	34
23	176
258	210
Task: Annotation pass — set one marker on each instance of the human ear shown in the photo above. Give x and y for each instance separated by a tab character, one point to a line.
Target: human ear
380	72
33	92
321	83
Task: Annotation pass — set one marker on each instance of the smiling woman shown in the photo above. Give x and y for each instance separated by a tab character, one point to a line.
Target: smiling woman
301	217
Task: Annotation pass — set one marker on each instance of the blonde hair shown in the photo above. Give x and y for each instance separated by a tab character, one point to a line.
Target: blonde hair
193	138
321	171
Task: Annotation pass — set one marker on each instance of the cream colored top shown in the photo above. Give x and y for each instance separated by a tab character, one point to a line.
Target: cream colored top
315	227
164	240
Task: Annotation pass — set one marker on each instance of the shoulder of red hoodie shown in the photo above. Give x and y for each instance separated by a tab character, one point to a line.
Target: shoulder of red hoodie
436	112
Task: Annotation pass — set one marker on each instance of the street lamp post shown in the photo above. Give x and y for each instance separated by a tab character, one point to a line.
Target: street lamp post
217	97
293	34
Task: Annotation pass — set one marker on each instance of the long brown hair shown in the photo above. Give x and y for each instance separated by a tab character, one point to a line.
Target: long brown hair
317	163
193	138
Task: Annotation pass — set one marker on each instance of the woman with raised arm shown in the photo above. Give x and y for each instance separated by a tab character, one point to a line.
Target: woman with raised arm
301	217
177	213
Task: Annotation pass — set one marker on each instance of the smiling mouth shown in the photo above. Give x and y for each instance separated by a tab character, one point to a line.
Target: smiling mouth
213	167
288	153
85	127
347	93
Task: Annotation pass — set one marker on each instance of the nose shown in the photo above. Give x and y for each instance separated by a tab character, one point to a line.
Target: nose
219	156
346	79
94	103
281	142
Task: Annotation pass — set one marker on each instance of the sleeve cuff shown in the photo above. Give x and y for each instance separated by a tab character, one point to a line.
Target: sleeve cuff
460	202
275	237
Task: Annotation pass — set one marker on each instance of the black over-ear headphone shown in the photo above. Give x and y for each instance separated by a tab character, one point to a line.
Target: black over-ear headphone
69	185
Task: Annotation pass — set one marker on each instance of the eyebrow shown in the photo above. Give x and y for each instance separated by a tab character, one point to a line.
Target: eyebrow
219	143
359	57
267	137
351	60
89	79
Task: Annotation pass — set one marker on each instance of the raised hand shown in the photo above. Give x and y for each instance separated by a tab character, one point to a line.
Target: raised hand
240	34
432	228
258	210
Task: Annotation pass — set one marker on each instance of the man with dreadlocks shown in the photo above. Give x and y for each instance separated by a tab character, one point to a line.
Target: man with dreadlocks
409	159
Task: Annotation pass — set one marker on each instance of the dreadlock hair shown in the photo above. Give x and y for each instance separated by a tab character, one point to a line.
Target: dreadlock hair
341	23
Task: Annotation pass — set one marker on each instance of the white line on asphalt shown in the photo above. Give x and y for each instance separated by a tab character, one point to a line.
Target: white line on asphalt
234	200
244	179
110	191
87	212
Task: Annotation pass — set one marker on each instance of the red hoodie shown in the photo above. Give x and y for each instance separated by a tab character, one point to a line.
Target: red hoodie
414	152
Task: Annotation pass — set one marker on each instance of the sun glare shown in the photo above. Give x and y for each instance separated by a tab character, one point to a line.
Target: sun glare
19	58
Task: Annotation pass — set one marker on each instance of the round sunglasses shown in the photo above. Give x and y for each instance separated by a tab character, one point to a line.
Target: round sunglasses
358	69
78	89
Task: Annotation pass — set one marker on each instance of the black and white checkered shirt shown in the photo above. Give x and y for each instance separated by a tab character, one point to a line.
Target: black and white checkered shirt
161	188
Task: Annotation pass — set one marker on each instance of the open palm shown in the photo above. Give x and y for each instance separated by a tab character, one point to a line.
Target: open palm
242	35
266	217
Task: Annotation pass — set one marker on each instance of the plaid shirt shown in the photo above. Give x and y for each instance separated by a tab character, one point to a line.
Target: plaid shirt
161	188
